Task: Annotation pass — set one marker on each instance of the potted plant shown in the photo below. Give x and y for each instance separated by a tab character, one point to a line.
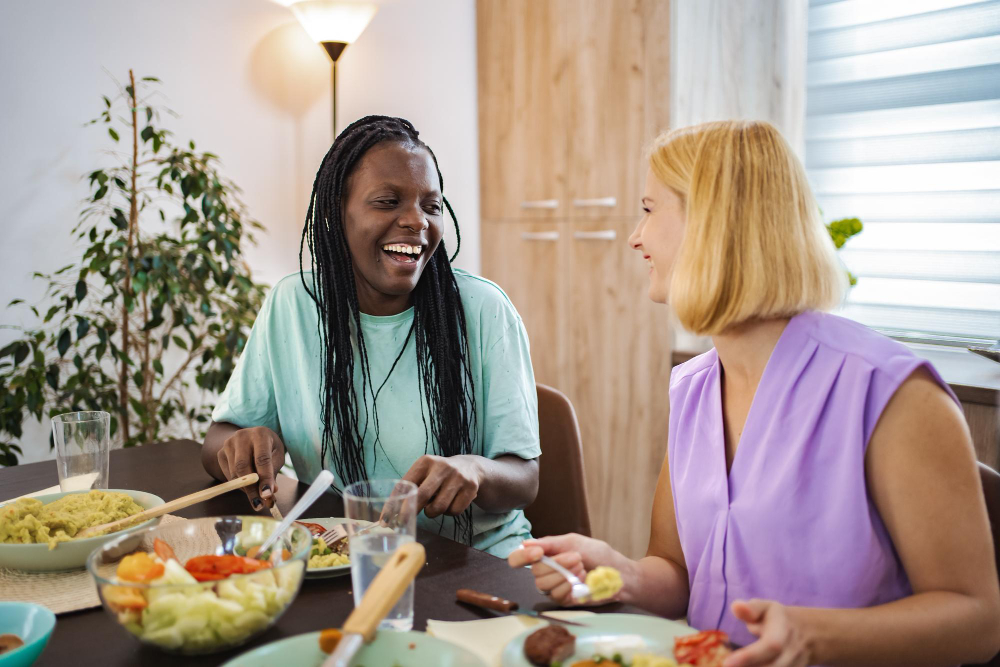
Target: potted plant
160	301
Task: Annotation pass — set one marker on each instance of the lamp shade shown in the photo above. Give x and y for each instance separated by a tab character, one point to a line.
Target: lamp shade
334	20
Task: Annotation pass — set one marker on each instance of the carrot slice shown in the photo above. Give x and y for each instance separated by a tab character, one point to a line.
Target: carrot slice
328	639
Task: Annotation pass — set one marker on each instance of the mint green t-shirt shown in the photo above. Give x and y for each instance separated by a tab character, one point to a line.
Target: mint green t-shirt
277	383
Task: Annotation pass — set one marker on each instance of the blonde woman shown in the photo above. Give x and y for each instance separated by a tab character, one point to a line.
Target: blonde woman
819	500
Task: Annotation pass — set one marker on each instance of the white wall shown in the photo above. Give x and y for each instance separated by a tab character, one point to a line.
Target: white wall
737	59
249	86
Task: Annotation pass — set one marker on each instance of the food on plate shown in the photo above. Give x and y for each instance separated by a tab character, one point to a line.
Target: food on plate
703	649
10	642
553	643
328	639
649	660
314	528
322	556
28	521
604	583
199	605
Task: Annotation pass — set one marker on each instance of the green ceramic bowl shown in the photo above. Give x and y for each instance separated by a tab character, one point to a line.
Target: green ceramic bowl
406	649
33	623
70	555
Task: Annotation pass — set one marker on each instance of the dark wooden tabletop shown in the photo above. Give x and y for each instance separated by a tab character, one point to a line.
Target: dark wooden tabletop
173	469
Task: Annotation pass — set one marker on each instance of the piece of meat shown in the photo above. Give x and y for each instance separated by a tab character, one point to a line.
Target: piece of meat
550	644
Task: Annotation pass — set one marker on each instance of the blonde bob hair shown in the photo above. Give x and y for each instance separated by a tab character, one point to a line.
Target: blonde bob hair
753	246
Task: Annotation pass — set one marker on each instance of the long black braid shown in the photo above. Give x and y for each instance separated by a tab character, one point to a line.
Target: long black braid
438	319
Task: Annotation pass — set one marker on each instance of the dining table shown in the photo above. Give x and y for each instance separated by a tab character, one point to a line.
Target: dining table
173	469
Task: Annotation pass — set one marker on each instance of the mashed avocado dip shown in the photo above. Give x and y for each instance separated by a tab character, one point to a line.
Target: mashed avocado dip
28	521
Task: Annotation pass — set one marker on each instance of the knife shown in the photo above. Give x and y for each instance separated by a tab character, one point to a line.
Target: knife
382	594
487	601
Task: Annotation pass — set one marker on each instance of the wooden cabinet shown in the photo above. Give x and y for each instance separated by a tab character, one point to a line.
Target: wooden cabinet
529	260
521	101
570	91
570	94
620	363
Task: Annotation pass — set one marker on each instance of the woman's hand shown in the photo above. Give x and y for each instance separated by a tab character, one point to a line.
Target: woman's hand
445	484
782	639
257	449
576	553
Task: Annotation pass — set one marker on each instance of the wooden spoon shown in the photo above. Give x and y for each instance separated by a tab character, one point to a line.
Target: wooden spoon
165	508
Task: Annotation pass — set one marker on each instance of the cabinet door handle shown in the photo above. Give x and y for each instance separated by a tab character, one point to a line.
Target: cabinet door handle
603	235
541	203
539	236
600	202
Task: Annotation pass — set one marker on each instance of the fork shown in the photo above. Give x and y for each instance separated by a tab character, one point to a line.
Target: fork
336	537
580	592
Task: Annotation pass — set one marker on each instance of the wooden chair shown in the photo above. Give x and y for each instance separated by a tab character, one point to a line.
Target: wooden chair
991	489
561	504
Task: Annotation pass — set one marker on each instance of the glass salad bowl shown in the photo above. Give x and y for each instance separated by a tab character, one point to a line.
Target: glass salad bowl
190	588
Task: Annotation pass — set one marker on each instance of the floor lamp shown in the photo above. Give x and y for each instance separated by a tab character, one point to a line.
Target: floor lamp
334	24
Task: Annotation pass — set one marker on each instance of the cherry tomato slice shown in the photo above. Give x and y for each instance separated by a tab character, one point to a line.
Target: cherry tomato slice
163	550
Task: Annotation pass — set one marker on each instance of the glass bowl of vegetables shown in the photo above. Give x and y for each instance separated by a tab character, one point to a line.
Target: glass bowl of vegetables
199	586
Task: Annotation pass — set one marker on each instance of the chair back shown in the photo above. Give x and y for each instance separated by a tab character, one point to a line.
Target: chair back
561	505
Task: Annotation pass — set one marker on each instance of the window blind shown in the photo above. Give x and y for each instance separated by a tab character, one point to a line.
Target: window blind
903	132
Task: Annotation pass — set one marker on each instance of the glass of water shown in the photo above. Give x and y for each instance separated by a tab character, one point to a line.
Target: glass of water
382	516
83	441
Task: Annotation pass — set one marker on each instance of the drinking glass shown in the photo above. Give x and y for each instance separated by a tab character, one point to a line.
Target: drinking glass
382	516
83	441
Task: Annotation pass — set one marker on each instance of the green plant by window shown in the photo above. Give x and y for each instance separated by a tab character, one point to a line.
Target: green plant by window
160	298
840	231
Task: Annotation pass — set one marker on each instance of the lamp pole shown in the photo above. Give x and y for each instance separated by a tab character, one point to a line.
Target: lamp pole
334	49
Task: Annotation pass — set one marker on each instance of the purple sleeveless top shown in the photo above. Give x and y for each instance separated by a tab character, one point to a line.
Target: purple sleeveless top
792	521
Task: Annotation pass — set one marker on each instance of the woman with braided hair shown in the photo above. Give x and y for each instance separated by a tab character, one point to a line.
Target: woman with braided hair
383	361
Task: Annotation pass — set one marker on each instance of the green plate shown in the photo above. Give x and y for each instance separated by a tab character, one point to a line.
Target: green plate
70	555
405	649
657	634
325	572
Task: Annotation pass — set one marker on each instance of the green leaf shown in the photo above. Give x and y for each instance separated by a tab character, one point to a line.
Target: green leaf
150	78
52	376
114	135
81	291
147	133
107	102
130	91
101	191
179	342
149	114
8	350
118	220
158	366
21	353
64	341
14	303
82	327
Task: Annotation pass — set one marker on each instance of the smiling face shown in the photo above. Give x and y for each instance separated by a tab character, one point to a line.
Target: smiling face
393	223
659	234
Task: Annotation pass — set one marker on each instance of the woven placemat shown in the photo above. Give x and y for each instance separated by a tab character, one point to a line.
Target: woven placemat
62	592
